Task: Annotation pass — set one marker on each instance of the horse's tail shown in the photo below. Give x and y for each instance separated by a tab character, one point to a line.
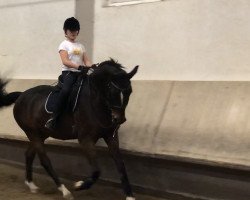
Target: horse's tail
5	98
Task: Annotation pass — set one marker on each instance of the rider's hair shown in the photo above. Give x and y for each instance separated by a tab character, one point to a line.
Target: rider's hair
71	24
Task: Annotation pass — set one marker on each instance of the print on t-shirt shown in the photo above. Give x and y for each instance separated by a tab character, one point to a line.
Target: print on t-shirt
77	51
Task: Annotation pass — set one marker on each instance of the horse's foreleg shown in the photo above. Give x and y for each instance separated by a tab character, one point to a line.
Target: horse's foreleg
90	153
45	162
29	156
113	145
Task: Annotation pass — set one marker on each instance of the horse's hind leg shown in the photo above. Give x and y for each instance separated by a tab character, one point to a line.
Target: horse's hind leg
29	157
113	145
45	162
90	153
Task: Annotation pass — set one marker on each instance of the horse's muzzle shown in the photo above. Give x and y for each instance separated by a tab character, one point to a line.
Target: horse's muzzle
118	117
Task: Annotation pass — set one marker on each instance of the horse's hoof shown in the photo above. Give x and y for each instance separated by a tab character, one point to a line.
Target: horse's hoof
130	198
84	185
33	188
66	193
78	185
68	196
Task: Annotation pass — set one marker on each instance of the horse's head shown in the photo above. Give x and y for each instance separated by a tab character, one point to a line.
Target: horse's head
115	86
118	93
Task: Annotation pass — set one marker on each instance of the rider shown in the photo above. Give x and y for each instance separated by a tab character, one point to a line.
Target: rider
74	59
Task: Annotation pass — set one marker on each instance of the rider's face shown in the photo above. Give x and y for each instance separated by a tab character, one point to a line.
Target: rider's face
71	35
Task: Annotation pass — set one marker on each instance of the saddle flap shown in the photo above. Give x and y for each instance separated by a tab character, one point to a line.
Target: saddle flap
72	100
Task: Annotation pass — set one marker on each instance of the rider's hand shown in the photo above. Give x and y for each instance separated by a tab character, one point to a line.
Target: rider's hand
86	70
83	69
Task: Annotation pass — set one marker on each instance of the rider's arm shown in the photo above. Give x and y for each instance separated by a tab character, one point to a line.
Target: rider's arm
66	61
86	60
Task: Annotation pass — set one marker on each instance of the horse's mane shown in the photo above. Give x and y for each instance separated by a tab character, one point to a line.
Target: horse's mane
111	66
106	70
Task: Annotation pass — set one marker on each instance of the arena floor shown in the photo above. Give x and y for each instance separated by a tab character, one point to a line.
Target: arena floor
12	188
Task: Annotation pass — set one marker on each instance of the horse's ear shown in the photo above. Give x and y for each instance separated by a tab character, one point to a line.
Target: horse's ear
133	72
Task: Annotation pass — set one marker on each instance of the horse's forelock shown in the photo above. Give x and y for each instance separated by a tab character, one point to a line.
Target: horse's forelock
111	64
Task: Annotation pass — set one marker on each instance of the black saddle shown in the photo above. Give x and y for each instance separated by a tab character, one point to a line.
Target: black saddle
52	98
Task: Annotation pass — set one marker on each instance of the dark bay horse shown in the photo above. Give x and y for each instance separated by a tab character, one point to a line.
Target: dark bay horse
98	114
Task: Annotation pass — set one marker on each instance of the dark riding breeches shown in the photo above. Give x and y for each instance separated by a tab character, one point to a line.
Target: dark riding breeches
68	78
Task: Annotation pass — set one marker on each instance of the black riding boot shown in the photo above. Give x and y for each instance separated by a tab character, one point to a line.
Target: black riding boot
53	121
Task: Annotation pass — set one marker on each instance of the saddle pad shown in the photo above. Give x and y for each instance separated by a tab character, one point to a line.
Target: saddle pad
52	99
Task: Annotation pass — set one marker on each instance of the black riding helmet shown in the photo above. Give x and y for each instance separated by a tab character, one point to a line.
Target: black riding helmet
71	24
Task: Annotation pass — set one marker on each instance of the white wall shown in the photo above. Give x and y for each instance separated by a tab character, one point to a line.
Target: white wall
170	40
177	40
31	31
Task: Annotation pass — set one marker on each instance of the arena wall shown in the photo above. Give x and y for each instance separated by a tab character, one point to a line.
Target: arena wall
204	121
190	95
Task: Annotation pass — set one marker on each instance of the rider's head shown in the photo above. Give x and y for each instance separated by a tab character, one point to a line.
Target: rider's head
71	24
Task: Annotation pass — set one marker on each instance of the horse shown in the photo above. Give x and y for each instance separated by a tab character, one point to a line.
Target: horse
98	114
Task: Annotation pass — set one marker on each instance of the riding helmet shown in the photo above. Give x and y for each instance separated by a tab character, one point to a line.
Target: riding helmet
71	24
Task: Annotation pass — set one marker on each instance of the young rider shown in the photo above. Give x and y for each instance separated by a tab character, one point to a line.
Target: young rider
74	60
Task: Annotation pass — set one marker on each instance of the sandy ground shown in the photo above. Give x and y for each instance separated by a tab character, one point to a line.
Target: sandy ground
12	188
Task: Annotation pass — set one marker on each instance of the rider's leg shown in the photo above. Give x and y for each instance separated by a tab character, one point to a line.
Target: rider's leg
68	80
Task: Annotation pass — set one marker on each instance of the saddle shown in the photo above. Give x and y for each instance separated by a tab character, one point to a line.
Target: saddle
51	100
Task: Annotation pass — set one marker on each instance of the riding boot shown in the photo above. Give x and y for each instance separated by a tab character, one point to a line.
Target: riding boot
53	121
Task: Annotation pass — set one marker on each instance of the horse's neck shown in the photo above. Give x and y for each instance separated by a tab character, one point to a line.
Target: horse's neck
95	102
97	95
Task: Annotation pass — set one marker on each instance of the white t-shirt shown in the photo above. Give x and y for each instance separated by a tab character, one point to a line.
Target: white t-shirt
75	52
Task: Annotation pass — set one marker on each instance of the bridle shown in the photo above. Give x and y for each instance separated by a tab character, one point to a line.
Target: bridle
110	107
122	106
121	91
